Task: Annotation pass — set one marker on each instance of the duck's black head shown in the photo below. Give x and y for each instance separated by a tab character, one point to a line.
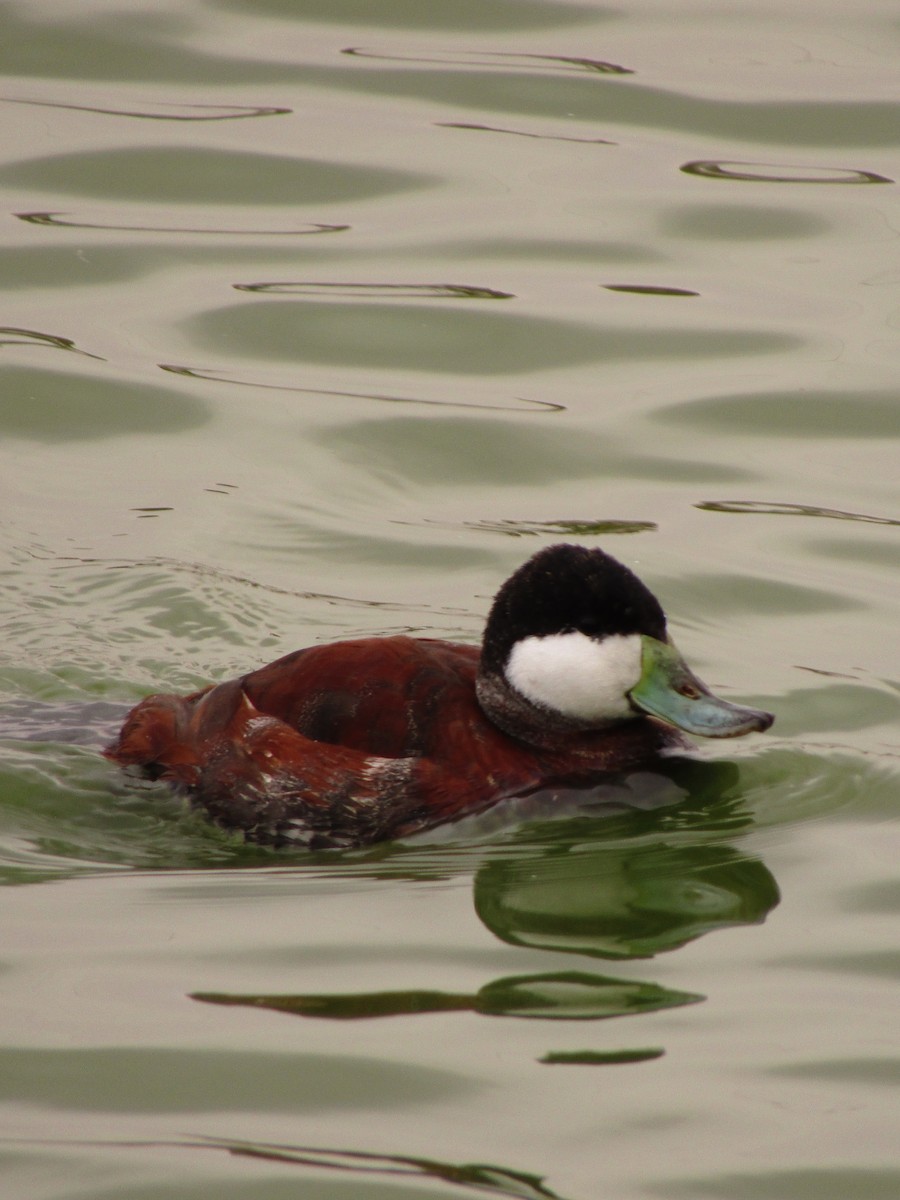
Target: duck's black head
569	589
576	636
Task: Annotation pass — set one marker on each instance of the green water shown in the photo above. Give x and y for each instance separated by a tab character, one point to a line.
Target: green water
319	318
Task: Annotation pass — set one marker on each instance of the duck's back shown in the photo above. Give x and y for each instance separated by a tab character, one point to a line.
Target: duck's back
396	697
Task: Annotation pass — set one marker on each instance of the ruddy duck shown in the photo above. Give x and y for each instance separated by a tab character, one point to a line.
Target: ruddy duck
359	741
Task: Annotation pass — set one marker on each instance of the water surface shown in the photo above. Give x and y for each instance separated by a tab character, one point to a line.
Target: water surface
319	319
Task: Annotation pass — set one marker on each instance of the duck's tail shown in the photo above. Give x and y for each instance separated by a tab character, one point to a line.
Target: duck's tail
251	771
159	736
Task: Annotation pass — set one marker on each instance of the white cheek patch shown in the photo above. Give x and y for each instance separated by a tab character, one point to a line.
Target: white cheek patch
573	674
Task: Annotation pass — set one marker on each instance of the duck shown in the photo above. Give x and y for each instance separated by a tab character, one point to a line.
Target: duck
360	741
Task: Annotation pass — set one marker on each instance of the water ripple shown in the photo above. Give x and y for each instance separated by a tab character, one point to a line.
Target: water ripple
500	58
548	137
12	335
215	375
646	289
561	528
790	510
372	291
211	112
480	1177
777	173
55	218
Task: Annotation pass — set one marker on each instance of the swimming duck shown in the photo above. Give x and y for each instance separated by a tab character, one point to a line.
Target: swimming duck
359	741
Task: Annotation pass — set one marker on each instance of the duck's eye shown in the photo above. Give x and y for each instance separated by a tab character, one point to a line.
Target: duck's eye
688	691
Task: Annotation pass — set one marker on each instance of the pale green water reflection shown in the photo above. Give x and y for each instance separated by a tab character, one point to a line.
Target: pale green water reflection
741	222
59	406
450	340
466	16
804	415
155	1079
178	175
488	452
810	1184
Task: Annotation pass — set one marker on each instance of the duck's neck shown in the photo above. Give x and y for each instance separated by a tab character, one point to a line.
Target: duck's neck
520	718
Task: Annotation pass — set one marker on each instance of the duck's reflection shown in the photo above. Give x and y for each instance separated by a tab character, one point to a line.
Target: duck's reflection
649	878
622	901
652	877
567	995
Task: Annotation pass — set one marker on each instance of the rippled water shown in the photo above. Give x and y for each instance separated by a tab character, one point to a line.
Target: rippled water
319	318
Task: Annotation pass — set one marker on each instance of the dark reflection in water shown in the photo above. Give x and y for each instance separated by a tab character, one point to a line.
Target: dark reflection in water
55	218
776	173
567	528
547	137
483	1177
12	335
600	1058
790	510
646	289
479	1177
516	404
198	112
622	901
499	58
562	995
371	291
